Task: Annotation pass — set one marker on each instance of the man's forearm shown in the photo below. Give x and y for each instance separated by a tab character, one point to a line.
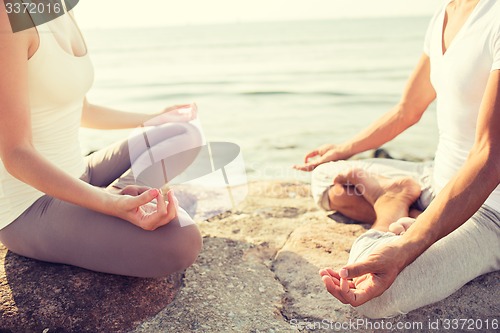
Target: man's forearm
457	202
383	130
417	95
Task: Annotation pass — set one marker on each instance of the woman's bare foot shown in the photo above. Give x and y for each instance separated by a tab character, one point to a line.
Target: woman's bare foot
391	198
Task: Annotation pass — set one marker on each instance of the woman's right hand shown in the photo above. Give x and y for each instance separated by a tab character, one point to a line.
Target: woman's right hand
181	113
320	155
141	211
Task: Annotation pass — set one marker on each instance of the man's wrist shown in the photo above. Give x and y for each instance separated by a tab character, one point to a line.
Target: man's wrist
346	150
413	244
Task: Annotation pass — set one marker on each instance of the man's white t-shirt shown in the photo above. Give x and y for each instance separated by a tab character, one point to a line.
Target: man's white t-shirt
459	77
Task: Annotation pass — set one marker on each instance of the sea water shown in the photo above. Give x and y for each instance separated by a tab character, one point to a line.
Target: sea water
277	89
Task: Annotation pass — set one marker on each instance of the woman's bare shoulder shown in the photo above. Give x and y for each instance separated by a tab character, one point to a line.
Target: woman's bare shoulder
10	40
5	26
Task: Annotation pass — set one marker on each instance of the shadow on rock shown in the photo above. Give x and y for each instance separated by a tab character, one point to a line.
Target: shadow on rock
36	296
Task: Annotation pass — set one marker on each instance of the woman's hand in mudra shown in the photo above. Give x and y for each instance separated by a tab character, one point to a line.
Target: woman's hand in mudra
136	205
182	113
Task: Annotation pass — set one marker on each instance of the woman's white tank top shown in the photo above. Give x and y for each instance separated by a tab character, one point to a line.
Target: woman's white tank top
58	82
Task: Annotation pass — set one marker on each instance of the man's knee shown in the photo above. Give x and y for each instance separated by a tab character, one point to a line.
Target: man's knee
321	180
384	306
388	304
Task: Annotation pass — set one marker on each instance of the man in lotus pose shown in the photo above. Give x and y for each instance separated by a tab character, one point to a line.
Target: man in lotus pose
436	226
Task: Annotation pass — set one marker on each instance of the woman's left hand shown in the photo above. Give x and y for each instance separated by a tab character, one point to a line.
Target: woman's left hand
360	282
145	209
174	114
132	190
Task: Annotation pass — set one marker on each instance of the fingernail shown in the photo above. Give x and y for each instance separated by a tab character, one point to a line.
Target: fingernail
343	273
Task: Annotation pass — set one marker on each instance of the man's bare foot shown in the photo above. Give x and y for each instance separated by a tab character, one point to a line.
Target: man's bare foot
341	199
391	198
402	225
375	187
414	213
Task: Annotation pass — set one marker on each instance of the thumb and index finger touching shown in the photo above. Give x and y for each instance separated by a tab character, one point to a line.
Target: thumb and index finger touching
311	154
154	193
310	165
146	197
170	209
164	212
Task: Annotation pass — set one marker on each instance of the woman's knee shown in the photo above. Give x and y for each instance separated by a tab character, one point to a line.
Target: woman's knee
195	134
189	248
191	134
180	249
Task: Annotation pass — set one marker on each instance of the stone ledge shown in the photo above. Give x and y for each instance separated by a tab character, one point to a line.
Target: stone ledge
36	296
256	273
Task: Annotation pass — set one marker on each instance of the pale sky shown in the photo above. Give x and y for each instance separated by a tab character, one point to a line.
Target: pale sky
133	13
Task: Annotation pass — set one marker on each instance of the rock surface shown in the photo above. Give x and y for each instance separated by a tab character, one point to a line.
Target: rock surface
256	273
36	296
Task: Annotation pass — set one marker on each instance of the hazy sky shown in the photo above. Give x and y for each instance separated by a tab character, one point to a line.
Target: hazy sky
131	13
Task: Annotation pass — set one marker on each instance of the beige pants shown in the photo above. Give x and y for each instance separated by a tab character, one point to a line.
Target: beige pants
471	250
56	231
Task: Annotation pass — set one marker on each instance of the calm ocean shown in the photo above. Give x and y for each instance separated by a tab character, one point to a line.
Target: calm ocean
276	89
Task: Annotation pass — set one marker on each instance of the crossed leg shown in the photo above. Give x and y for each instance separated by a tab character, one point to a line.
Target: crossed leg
381	198
373	198
56	231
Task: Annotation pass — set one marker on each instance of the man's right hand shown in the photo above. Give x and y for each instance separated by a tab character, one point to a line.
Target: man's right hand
320	155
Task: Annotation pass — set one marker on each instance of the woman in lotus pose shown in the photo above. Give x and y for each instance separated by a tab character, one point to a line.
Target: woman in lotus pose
435	226
56	205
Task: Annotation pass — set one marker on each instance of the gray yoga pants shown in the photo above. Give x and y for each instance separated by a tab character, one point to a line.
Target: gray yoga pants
56	231
471	250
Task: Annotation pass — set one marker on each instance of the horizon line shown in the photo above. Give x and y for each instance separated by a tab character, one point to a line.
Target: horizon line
286	20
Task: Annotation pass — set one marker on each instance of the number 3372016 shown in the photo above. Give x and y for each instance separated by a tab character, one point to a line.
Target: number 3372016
33	8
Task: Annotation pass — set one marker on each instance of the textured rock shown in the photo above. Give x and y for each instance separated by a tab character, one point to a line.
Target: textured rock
316	244
258	272
223	292
36	296
289	235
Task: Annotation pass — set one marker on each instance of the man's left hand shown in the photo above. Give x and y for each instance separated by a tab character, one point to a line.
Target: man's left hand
360	282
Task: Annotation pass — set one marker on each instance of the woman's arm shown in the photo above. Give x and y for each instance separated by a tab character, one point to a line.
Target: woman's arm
100	117
454	205
24	162
416	97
